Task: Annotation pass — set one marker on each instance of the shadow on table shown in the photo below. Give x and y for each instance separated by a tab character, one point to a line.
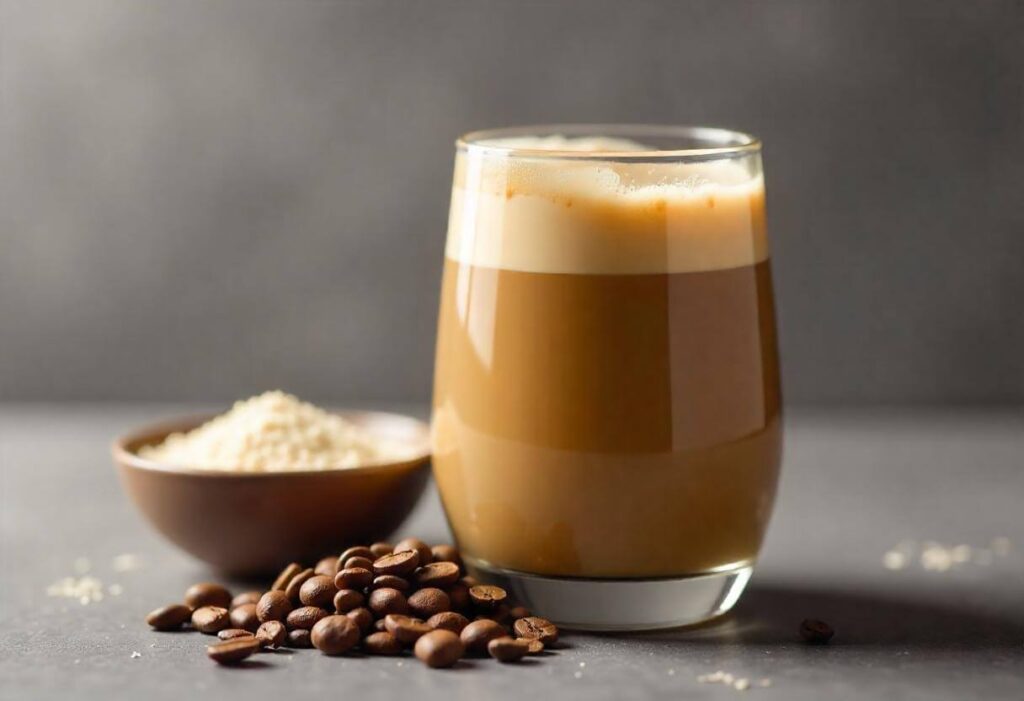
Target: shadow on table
771	614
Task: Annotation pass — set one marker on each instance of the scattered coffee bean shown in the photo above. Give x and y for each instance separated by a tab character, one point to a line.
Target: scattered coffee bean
244	617
381	549
446	553
273	606
304	617
458	594
286	576
437	574
232	633
426	602
210	619
362	617
448	620
295	585
357	551
246	597
207	594
390	581
318	590
439	648
477	634
816	632
334	635
169	617
327	566
487	596
272	634
353	578
381	643
508	649
421	548
405	629
536	628
347	599
385	601
400	564
233	651
299	638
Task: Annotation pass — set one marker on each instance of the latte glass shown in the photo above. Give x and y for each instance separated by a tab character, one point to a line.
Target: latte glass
606	419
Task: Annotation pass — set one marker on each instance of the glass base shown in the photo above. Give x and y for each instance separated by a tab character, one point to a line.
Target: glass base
621	604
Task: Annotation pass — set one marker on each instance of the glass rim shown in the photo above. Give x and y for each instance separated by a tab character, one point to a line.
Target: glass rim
721	142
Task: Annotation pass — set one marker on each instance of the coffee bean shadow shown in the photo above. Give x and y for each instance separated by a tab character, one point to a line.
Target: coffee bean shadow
247	665
771	615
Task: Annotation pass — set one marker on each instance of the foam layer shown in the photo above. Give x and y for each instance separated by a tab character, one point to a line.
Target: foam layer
603	217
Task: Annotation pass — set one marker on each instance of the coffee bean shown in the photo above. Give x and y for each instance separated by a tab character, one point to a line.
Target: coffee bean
405	629
385	601
210	619
169	617
439	648
362	617
536	628
353	578
360	562
246	597
381	549
347	599
327	566
379	626
273	606
437	574
295	585
446	553
421	548
469	581
477	634
499	613
535	647
508	649
448	620
304	617
318	590
426	602
244	617
518	612
233	651
381	643
272	634
207	594
390	581
286	576
400	564
232	633
487	596
334	635
458	594
357	551
299	638
816	632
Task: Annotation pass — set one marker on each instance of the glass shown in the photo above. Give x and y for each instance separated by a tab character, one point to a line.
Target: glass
606	419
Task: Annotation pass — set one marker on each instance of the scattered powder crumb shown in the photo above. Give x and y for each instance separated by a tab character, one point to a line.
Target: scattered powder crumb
578	675
671	673
764	683
583	664
932	556
739	684
86	589
77	661
152	644
894	560
126	562
136	653
398	664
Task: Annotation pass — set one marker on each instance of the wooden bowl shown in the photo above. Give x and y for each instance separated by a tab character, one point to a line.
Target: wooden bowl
254	523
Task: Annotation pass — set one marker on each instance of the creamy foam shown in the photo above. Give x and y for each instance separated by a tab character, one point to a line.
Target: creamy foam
591	216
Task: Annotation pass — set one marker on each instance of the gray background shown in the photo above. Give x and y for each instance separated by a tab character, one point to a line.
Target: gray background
206	198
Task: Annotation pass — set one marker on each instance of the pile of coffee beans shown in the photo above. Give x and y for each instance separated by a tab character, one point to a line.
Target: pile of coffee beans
378	600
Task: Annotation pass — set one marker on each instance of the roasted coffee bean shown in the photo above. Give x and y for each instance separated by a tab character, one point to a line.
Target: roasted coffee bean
535	646
426	602
400	564
458	594
536	628
295	585
446	553
448	620
207	594
299	638
169	617
244	617
273	606
334	635
477	634
487	596
518	612
405	629
499	613
363	618
347	599
381	643
286	576
508	649
272	634
381	549
233	651
210	619
327	566
816	632
353	578
385	601
469	581
246	597
378	625
364	563
232	633
357	551
437	574
390	581
421	548
439	648
318	590
304	617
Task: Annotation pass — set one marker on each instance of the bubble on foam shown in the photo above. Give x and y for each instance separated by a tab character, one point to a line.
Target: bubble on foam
558	142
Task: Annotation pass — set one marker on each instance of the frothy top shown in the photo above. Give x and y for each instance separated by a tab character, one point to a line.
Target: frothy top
593	216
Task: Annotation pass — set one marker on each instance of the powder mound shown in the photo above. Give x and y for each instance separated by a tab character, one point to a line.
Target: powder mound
275	432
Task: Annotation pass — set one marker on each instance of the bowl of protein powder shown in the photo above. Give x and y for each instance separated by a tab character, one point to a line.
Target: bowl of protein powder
275	479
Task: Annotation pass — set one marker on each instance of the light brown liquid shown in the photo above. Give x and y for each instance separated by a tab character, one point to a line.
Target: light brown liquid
607	425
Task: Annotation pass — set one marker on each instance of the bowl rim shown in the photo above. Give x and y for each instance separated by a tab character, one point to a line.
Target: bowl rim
124	456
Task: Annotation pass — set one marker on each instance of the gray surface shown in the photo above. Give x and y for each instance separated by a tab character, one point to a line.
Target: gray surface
854	485
202	199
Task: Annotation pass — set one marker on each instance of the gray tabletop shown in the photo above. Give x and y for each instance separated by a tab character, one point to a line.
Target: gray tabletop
872	507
